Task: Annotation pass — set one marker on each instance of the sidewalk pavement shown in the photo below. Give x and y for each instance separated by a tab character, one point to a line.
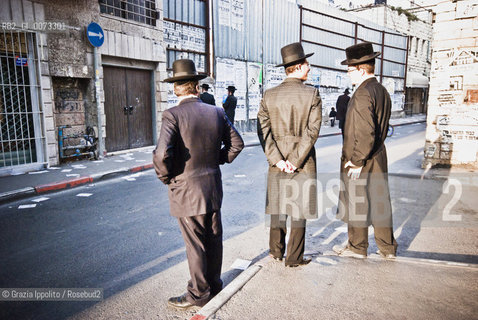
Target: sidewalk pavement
73	174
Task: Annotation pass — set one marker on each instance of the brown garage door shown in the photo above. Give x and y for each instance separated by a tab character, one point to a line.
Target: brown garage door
128	108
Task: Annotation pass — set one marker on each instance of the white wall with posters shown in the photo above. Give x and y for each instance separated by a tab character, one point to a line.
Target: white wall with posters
247	78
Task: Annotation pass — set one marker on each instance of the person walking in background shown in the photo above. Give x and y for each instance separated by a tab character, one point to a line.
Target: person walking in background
332	116
288	121
187	159
230	104
341	106
205	96
364	198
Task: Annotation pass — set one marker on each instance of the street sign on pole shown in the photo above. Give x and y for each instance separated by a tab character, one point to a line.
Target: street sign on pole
96	37
95	34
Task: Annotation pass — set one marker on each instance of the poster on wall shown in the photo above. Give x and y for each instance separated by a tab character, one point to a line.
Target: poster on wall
231	14
224	12
231	73
184	37
172	98
274	76
254	87
237	15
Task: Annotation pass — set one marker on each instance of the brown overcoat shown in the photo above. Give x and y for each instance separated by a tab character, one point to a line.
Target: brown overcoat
289	120
189	153
367	199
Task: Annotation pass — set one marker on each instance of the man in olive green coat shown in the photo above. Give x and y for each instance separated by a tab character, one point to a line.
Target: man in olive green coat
364	198
289	121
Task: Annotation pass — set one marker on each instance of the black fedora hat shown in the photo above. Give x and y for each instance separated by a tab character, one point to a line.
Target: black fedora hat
292	53
205	86
184	69
231	88
359	53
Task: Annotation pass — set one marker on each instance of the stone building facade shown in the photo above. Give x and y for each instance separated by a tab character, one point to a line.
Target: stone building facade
452	120
46	42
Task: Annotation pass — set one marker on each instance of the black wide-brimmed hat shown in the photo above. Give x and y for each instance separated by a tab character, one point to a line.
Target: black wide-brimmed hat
346	91
292	53
205	86
231	88
359	53
184	69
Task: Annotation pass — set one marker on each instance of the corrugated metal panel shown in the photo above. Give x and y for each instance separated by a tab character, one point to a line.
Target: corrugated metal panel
393	69
228	40
394	54
267	26
282	25
396	40
369	35
328	23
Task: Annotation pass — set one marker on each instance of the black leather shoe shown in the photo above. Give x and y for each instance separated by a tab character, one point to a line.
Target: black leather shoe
180	302
301	263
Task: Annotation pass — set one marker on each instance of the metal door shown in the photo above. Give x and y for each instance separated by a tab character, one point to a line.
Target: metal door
128	108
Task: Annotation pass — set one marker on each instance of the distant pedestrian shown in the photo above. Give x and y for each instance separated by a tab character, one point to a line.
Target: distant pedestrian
332	116
187	159
341	105
289	120
230	104
205	96
364	197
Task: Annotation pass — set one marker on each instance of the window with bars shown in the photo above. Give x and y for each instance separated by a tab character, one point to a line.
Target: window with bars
143	11
185	32
19	116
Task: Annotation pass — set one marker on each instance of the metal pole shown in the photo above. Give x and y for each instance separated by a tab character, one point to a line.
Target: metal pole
101	142
381	58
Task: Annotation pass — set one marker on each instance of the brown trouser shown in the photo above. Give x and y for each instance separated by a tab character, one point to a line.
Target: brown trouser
203	239
358	239
296	244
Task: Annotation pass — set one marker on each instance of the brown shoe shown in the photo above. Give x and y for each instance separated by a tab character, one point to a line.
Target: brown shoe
180	302
300	263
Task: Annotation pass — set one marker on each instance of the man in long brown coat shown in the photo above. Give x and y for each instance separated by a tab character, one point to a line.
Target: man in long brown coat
289	121
187	159
364	198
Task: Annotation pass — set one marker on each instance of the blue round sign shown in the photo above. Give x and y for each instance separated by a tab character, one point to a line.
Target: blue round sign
95	34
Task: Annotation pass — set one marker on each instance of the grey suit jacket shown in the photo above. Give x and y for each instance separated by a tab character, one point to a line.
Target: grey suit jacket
289	120
189	153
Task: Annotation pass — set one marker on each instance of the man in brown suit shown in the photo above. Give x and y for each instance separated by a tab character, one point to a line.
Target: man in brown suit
364	198
289	121
187	159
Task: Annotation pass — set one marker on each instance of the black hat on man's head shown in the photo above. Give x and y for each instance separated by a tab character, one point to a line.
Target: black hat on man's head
359	53
184	70
205	86
231	88
292	54
346	91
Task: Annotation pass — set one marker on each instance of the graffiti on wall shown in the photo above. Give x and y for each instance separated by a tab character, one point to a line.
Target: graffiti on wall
254	88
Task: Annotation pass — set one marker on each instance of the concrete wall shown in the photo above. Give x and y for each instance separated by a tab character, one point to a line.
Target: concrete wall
452	121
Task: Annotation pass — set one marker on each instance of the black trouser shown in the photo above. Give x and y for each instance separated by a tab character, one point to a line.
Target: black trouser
296	244
358	239
203	238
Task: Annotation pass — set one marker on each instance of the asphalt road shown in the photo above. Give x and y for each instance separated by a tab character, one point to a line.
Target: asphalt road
106	239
